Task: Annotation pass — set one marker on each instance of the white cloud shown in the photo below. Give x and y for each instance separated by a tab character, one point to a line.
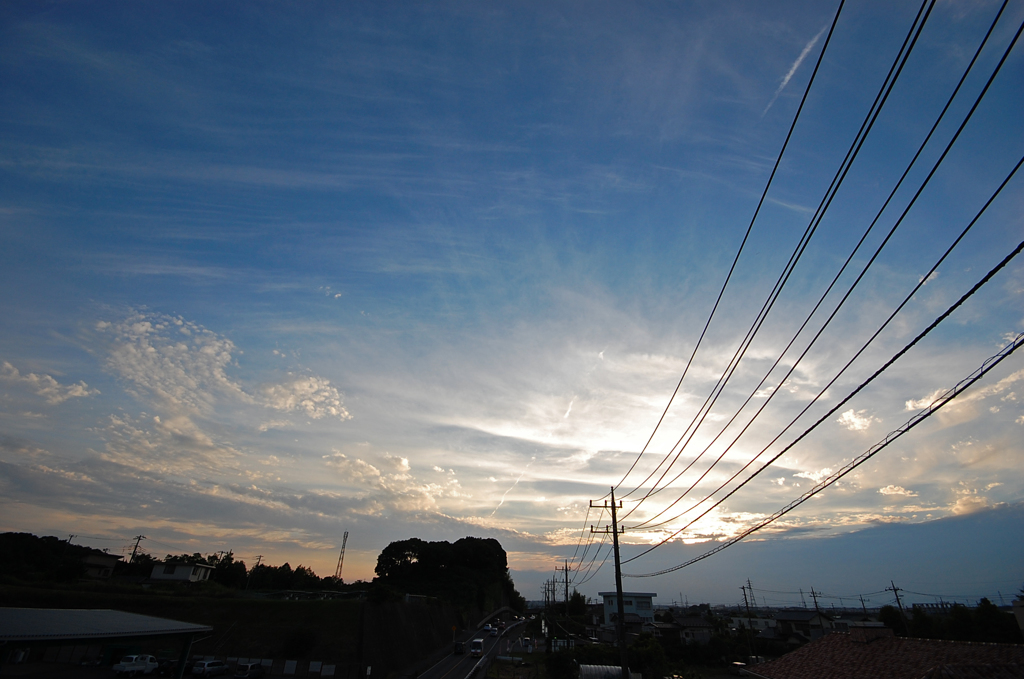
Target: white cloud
897	490
180	370
856	420
184	367
354	470
814	476
46	386
918	404
311	395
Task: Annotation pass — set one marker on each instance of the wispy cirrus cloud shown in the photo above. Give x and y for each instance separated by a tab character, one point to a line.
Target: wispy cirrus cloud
792	69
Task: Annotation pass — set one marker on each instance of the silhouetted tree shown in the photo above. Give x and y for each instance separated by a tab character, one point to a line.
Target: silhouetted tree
472	571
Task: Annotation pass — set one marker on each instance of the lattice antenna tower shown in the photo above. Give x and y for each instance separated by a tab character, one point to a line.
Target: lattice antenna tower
341	557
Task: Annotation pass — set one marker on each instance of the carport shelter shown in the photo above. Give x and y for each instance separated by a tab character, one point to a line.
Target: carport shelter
75	636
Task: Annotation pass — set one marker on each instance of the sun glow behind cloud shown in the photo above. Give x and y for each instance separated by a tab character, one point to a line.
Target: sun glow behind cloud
341	276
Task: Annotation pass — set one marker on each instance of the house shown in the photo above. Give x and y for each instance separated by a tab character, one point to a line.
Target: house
690	630
639	604
179	571
99	565
753	623
695	630
875	653
799	625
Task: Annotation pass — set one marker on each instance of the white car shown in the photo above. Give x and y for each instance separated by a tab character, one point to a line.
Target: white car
210	668
136	664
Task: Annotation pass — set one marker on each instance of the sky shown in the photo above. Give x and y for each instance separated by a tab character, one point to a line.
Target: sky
274	272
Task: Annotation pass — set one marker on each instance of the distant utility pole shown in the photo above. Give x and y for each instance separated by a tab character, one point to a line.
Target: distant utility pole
620	623
863	605
814	595
138	539
896	590
566	569
341	557
750	642
259	557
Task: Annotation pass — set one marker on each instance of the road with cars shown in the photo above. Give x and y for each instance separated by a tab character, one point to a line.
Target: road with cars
459	666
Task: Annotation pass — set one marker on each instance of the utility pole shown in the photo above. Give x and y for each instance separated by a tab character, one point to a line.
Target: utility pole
138	538
750	643
341	558
896	590
620	623
259	557
814	595
863	606
566	569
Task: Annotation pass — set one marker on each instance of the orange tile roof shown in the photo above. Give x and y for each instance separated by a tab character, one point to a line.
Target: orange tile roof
841	656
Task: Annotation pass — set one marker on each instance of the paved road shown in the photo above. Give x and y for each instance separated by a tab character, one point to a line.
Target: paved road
459	666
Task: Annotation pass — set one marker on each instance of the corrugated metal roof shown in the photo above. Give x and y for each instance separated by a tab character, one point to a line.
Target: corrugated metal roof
37	624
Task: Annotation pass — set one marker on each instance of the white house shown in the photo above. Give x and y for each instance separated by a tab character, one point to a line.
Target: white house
640	604
179	571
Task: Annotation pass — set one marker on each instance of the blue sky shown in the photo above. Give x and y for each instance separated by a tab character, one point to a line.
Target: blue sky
274	272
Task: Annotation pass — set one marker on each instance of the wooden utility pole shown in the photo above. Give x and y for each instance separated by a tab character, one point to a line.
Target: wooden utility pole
620	623
138	539
259	557
746	602
896	590
566	569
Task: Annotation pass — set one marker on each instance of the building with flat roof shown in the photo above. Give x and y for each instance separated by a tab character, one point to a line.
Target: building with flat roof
639	604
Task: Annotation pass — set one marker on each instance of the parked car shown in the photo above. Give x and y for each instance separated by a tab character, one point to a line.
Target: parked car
209	668
132	665
167	668
249	670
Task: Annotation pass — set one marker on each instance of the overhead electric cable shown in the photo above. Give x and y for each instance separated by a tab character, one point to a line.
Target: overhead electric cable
750	227
936	405
917	194
586	550
607	553
977	286
582	533
881	97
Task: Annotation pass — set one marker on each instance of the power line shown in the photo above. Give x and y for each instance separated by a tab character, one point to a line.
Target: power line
917	194
866	126
746	236
940	402
977	286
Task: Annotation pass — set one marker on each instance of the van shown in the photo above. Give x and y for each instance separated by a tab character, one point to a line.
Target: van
249	670
476	648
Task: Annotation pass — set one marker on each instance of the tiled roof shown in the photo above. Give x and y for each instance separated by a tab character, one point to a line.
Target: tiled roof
839	656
